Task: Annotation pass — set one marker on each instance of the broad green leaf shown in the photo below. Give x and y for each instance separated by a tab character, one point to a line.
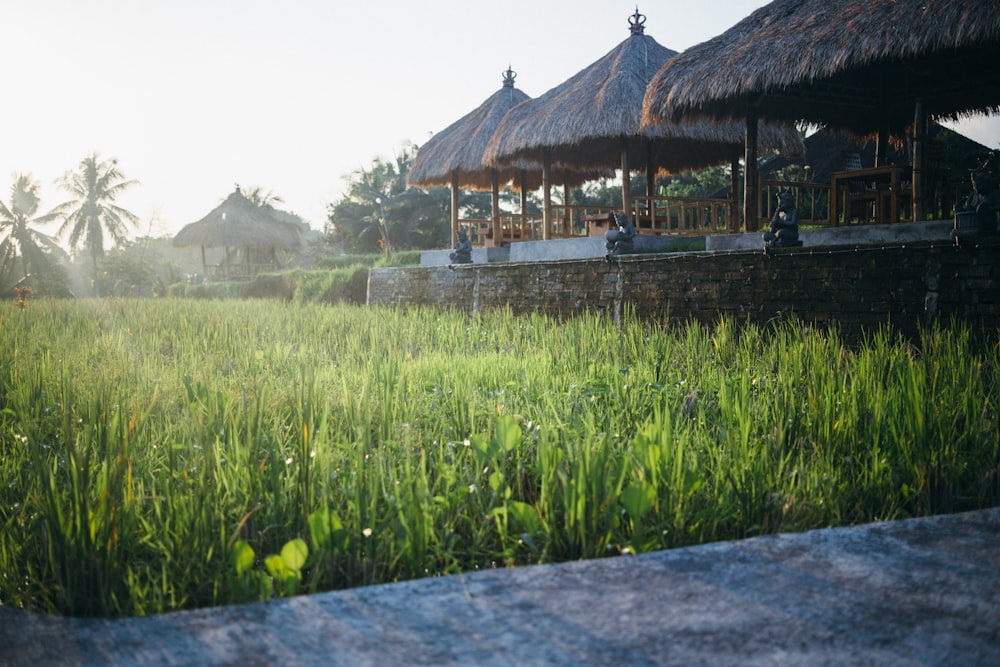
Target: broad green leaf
638	498
294	554
319	528
276	566
508	433
525	515
241	556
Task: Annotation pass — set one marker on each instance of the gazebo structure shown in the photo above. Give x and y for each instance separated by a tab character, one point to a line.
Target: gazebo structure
454	156
593	120
872	67
249	234
946	175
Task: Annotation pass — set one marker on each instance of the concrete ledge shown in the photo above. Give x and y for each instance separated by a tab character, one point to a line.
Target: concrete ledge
479	256
589	247
915	592
903	232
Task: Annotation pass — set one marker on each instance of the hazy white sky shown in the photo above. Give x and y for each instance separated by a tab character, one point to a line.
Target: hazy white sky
195	96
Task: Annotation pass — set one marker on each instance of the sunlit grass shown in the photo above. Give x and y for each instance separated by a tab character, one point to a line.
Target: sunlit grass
160	455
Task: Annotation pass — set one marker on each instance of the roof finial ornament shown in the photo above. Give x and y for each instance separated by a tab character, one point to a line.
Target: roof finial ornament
238	188
636	22
508	77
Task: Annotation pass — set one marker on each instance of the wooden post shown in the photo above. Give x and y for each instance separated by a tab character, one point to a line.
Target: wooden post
567	214
881	146
546	197
495	206
454	206
524	198
919	137
750	214
626	181
733	219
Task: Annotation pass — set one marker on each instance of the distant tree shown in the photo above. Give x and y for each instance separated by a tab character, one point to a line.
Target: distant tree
601	192
258	197
17	239
92	212
125	271
379	210
700	183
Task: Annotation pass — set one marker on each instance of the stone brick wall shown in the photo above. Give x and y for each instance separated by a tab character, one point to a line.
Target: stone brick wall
861	288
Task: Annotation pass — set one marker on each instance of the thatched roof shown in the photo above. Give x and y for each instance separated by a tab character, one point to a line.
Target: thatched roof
587	119
239	223
460	148
858	65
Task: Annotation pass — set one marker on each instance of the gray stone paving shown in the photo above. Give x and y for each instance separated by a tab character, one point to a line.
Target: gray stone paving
916	592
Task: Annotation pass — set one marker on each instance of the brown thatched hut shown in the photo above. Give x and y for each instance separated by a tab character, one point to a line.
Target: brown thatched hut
872	67
594	120
250	234
453	157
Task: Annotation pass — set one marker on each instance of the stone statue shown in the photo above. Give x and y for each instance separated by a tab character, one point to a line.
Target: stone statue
784	231
620	241
981	207
463	249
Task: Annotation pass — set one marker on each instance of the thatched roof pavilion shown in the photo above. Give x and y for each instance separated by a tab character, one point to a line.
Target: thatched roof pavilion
453	157
870	67
238	223
456	152
594	119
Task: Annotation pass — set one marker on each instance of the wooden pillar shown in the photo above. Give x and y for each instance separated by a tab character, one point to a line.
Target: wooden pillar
650	173
750	215
626	181
524	198
567	214
919	138
495	206
881	146
546	197
454	206
733	221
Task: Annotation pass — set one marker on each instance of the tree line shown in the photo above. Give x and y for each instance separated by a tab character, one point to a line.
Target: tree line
378	213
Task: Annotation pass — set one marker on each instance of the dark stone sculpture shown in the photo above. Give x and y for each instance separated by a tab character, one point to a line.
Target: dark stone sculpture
978	215
463	249
784	231
620	241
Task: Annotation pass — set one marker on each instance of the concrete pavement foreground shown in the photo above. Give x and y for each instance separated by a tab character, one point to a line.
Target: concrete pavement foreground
915	592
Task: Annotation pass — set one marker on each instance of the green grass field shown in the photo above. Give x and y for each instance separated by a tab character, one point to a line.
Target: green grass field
172	454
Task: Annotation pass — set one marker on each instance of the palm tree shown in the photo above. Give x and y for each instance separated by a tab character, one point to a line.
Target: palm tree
258	197
17	239
93	212
380	209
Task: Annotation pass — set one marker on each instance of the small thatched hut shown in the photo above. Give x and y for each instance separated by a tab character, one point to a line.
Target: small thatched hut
594	119
454	156
872	67
250	234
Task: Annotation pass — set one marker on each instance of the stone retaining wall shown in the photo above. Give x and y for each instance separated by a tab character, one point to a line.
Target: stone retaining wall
860	288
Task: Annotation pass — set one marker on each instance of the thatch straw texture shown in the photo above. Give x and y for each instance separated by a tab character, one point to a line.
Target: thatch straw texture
589	119
459	149
460	146
239	223
851	64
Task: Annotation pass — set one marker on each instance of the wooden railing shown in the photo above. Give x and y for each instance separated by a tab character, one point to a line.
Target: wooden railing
812	201
682	216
